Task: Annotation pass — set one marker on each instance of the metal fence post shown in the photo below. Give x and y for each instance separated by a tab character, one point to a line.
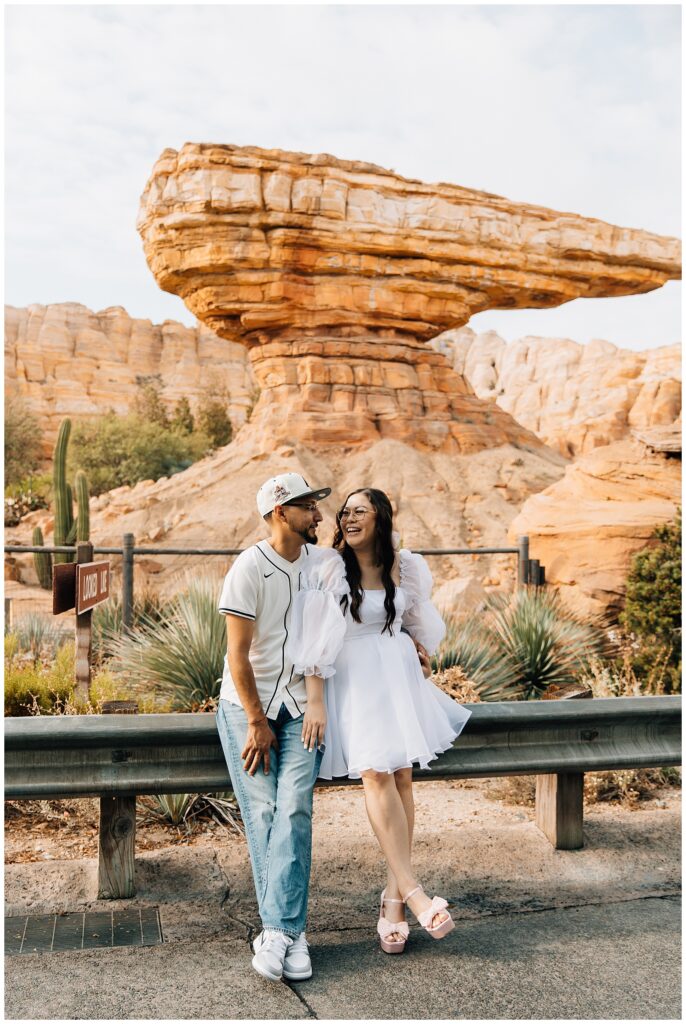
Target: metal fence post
535	572
523	561
127	581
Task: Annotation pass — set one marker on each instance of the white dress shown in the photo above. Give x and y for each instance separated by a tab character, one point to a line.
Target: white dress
382	713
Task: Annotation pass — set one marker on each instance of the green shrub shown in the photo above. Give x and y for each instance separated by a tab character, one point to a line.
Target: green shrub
26	495
213	420
515	648
180	657
23	441
117	450
652	613
36	688
182	421
148	404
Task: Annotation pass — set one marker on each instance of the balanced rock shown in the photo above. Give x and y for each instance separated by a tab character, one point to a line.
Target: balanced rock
336	273
65	360
574	397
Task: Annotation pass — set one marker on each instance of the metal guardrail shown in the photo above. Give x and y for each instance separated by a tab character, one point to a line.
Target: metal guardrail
117	757
95	755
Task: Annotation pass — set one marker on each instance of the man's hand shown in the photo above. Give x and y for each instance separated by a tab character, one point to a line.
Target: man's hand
314	724
424	659
258	743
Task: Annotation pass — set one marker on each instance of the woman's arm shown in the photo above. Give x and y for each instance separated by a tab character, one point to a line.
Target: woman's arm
314	721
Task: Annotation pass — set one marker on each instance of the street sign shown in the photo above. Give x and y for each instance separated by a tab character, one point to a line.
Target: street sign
63	587
92	585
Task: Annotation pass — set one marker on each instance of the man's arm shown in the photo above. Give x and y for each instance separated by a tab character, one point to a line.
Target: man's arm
260	739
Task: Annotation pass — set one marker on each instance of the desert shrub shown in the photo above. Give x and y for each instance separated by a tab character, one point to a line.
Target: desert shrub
33	687
652	613
148	606
40	636
213	419
148	403
516	647
23	440
26	495
117	450
180	657
182	418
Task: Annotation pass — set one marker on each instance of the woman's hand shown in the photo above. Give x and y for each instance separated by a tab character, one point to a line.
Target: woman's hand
314	724
424	659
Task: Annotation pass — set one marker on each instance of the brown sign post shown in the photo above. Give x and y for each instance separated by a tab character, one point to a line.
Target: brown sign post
81	585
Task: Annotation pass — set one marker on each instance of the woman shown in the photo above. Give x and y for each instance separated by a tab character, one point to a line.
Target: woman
378	711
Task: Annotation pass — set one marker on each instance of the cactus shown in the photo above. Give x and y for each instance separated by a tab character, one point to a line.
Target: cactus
67	528
42	562
83	519
64	515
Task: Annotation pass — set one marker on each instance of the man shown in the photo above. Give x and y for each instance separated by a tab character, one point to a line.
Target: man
260	722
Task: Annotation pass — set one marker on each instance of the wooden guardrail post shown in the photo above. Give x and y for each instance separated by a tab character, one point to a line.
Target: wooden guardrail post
117	839
560	797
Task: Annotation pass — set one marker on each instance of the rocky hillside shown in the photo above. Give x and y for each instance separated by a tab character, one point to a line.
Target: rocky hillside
574	397
66	360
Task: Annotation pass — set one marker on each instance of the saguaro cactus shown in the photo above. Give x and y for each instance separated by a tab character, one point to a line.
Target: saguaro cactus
83	518
42	562
67	528
64	512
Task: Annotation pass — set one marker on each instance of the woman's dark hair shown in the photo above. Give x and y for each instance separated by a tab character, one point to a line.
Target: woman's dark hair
383	549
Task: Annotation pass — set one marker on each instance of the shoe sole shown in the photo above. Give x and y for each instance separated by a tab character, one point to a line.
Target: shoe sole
264	973
297	975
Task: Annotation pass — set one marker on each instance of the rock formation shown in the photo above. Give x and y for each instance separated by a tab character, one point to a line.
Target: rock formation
65	360
335	273
574	397
586	526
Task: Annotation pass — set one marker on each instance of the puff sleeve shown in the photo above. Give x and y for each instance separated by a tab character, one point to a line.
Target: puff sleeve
421	618
317	624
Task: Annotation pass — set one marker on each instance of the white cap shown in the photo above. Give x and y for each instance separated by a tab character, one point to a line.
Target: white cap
280	490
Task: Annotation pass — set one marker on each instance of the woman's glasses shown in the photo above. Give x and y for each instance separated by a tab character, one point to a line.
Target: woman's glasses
347	514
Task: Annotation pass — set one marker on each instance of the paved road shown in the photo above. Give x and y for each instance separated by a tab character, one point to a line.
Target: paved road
541	934
594	962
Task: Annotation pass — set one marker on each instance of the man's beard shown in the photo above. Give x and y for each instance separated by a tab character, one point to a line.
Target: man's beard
310	538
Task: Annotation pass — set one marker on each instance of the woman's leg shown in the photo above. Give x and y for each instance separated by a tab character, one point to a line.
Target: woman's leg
388	818
403	783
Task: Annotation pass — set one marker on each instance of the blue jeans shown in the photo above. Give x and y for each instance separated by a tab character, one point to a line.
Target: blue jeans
277	813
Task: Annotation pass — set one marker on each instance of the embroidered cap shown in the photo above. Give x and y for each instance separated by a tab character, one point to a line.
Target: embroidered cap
280	490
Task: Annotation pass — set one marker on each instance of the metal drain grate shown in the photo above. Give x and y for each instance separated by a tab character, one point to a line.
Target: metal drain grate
50	933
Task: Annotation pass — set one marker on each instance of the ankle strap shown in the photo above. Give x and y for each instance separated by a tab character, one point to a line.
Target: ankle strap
387	899
409	896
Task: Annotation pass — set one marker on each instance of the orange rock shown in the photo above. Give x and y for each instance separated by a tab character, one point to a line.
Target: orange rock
310	251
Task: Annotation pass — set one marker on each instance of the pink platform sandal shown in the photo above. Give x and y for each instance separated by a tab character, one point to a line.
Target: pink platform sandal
385	928
426	917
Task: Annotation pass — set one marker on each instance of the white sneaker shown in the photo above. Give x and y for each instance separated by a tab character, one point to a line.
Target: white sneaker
270	949
297	966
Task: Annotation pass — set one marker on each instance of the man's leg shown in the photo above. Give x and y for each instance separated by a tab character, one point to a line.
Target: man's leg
284	906
256	794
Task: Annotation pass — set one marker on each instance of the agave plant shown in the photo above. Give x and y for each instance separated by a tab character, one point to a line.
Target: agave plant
40	636
517	647
108	618
181	656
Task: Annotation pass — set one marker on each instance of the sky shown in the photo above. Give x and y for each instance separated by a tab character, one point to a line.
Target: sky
566	106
